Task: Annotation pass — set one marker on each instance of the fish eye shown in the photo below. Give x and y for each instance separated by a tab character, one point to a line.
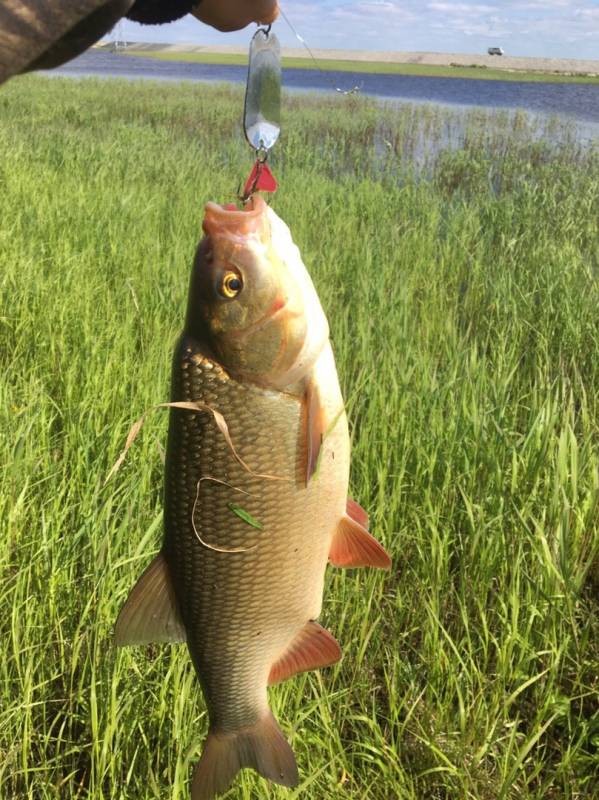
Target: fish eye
231	285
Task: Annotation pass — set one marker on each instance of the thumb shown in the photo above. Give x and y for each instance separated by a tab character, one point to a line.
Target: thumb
232	15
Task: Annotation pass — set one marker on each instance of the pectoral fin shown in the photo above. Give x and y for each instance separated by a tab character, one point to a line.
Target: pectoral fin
314	647
315	428
353	546
150	613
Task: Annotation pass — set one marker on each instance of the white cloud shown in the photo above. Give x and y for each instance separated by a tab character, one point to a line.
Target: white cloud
532	27
461	8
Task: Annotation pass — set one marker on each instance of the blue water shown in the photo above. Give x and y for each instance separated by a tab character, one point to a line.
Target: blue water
574	100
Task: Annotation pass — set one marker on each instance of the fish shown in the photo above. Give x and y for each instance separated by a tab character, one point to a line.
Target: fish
256	492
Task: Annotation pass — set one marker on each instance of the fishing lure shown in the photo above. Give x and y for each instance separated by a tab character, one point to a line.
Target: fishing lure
262	111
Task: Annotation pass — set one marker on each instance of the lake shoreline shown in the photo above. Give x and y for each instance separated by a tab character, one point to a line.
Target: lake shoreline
459	65
575	101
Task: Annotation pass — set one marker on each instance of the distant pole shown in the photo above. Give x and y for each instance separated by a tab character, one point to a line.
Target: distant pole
118	37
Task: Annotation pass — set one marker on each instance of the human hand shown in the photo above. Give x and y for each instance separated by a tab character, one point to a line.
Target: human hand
232	15
54	31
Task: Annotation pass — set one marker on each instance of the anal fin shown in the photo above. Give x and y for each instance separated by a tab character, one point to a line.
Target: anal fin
357	513
313	647
150	613
353	546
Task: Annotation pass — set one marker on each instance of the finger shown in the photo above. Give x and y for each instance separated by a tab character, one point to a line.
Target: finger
232	15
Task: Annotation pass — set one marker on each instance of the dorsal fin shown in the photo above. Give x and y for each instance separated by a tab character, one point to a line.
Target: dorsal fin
150	613
313	647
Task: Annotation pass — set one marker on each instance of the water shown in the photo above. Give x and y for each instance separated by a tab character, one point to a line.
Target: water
574	100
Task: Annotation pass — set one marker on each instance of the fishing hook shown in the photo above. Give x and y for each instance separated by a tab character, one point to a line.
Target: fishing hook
261	158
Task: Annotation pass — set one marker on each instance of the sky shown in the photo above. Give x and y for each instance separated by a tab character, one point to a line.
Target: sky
553	28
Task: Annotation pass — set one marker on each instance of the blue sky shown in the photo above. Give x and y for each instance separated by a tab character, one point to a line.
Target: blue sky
559	28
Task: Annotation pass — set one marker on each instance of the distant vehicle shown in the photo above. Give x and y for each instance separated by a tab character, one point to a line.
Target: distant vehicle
495	51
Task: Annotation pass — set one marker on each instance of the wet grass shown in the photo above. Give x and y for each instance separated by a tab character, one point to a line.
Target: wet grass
462	292
377	67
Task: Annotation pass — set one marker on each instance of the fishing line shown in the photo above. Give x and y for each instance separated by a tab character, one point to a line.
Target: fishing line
324	74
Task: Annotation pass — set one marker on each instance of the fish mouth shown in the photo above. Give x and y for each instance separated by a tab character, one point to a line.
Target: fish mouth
223	220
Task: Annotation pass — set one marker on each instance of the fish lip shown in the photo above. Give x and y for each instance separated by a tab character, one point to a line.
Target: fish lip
218	218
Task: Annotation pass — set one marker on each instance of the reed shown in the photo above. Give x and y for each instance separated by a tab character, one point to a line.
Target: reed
457	259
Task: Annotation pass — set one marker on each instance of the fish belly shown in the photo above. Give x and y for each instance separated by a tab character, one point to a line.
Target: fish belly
247	586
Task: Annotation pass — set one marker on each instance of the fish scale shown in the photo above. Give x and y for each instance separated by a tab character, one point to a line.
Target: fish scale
247	606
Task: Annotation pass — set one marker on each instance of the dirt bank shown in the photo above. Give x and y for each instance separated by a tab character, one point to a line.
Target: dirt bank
565	66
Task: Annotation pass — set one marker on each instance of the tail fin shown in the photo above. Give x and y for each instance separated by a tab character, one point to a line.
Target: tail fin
261	747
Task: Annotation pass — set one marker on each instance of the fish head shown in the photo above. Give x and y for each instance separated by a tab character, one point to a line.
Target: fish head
252	303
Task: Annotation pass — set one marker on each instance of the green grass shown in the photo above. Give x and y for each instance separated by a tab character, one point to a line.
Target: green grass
378	67
462	292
